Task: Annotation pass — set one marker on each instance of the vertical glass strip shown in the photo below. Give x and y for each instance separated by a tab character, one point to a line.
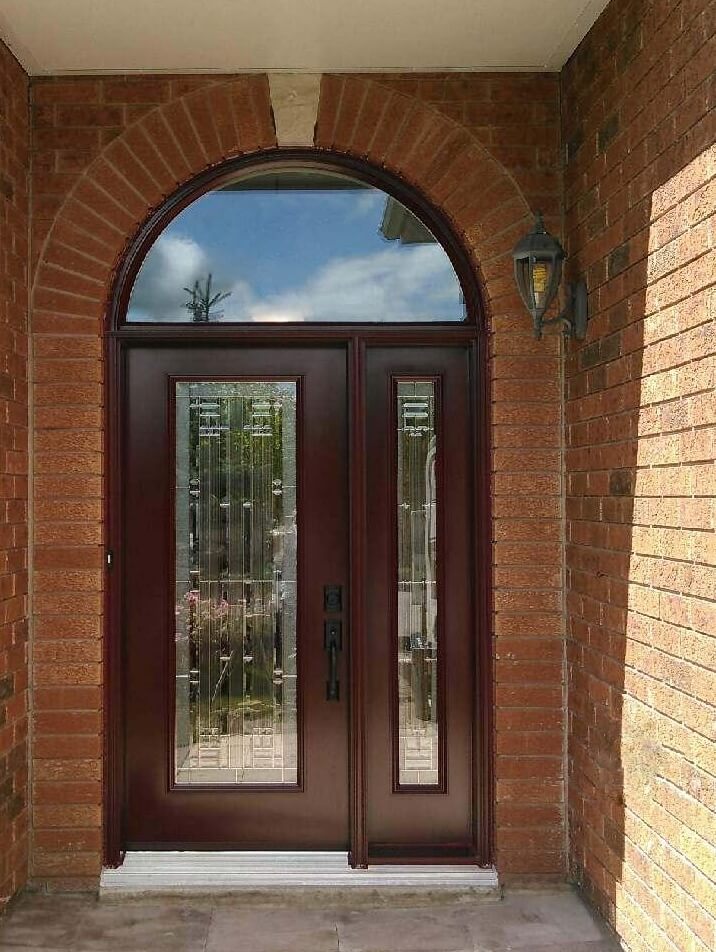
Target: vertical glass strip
417	548
236	545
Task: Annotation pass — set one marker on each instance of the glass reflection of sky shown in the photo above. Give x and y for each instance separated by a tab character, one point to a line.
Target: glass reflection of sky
295	255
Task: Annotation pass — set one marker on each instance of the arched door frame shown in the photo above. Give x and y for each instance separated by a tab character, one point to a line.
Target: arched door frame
356	337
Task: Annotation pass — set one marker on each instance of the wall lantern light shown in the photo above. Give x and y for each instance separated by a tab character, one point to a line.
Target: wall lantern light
538	269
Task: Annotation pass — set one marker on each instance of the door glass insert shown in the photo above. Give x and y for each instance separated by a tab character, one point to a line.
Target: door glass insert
236	595
417	564
296	244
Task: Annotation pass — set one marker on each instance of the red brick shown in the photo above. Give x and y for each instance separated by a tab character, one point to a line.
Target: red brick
245	118
88	116
123	160
223	116
351	101
388	125
177	118
374	104
136	90
159	150
159	134
261	103
66	91
53	841
199	108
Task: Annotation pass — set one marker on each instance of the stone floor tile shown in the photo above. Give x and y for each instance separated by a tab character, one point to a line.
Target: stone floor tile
564	908
144	926
403	930
43	922
603	945
529	920
271	930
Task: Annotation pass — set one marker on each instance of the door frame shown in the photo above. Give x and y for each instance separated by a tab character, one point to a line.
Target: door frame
357	338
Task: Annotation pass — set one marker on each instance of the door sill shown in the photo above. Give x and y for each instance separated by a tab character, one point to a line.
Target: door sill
237	871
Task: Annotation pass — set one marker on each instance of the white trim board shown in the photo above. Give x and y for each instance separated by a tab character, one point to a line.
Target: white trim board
235	871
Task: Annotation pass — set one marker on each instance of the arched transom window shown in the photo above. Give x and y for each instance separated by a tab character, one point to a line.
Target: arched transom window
296	244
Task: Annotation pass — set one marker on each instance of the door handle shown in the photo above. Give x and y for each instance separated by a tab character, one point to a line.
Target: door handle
333	643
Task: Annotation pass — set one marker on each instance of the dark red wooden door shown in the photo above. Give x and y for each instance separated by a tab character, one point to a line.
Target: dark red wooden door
235	502
419	610
236	519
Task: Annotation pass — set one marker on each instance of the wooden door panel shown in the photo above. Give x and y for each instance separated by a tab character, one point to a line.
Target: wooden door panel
312	812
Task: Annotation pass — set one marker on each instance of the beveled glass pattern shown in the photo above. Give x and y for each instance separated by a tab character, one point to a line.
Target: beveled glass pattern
417	446
236	538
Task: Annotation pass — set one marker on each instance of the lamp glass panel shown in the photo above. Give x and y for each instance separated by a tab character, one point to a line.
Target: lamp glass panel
541	272
523	276
541	283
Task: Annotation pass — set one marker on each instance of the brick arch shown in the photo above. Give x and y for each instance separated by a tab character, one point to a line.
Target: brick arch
440	158
103	209
137	170
132	175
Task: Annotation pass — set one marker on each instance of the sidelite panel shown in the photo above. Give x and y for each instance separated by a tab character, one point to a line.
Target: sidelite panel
417	581
236	595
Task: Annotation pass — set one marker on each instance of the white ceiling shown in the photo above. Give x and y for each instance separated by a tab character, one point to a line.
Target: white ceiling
106	36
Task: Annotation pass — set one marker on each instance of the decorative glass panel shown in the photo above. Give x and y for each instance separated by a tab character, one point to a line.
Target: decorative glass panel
236	540
296	245
418	722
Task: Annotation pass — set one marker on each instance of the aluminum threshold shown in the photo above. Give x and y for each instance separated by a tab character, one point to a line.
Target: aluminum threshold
223	872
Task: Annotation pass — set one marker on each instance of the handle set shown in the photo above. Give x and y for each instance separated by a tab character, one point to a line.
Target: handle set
333	643
332	638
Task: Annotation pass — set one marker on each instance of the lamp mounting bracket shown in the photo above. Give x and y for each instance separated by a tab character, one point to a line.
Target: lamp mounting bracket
574	315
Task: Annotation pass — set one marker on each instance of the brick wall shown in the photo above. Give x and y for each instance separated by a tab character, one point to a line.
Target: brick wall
14	220
640	199
106	150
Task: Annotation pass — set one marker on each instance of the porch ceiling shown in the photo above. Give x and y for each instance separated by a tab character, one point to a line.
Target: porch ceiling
104	36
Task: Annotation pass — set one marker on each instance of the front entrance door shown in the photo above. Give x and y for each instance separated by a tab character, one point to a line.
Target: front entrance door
236	511
239	550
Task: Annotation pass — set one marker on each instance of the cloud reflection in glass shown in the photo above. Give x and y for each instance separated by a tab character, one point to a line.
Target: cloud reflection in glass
300	245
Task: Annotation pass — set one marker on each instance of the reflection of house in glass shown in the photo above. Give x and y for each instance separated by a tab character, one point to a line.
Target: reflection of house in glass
236	583
400	224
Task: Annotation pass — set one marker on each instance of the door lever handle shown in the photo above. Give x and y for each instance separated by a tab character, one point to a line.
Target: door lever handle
333	643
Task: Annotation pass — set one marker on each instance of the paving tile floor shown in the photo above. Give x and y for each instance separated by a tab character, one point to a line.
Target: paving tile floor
524	921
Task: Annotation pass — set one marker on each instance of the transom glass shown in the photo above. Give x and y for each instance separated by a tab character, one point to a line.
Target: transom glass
296	245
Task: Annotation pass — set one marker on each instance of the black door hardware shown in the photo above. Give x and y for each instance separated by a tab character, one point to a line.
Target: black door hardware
333	643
